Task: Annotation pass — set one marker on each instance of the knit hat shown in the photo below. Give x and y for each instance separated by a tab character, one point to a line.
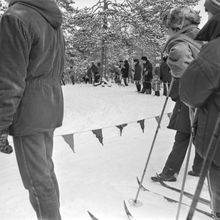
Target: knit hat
180	17
212	6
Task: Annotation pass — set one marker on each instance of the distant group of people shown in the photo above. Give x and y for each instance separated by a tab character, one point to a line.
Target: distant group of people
147	78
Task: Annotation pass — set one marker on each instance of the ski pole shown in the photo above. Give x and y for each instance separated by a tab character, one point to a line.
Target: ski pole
191	116
153	142
213	144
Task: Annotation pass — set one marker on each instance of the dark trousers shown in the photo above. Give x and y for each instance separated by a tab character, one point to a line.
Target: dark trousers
125	81
177	155
34	158
146	88
165	88
157	93
138	85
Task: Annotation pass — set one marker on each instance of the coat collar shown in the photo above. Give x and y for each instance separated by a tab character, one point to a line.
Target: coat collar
211	30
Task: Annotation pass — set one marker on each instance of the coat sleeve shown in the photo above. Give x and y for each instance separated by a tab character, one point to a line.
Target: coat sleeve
14	57
198	82
180	56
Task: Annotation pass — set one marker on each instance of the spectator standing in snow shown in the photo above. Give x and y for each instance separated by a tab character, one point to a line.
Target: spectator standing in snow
182	24
89	74
96	75
165	75
72	75
125	72
137	74
157	69
156	85
146	75
200	88
31	103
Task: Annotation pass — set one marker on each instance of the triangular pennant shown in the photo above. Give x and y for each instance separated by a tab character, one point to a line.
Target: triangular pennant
98	134
158	119
69	140
121	127
141	122
169	115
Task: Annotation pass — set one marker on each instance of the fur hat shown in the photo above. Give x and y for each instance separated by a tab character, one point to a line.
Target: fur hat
212	6
180	17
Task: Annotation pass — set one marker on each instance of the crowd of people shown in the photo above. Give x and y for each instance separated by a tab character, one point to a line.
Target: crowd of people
31	104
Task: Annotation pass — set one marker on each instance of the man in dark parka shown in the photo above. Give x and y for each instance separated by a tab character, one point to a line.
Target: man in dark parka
147	75
200	88
31	100
137	74
165	75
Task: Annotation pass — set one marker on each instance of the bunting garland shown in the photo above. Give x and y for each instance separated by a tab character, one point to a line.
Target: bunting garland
121	127
141	122
69	138
98	134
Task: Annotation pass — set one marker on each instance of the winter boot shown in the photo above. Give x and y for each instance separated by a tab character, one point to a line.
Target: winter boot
193	173
138	87
167	175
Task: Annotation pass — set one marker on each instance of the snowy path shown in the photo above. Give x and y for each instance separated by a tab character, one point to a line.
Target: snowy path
98	178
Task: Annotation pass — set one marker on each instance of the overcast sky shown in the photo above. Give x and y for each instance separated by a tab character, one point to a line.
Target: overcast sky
89	3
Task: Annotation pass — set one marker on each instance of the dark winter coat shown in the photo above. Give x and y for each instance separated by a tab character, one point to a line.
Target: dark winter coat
200	85
147	72
125	69
32	61
177	61
137	71
179	120
165	74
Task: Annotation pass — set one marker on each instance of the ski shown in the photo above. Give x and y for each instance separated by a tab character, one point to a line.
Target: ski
129	215
187	194
92	216
175	201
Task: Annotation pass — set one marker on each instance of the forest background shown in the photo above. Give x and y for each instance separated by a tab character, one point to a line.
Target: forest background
111	30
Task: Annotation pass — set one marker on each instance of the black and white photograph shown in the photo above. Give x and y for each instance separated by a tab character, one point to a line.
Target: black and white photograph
110	110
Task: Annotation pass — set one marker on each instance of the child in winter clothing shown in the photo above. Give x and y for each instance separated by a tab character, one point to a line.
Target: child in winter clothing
156	85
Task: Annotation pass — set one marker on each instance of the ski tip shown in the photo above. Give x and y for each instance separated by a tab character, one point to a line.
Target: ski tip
127	211
92	216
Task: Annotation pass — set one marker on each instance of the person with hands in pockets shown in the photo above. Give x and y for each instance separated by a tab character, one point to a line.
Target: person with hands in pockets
31	99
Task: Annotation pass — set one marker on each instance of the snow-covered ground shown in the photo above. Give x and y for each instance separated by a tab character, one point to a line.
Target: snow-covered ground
99	178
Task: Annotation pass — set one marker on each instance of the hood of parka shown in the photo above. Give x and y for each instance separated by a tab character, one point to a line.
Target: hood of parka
211	29
47	8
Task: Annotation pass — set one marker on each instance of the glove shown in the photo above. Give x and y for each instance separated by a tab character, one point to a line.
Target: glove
4	145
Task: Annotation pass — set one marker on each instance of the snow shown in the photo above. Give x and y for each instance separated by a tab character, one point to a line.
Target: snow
99	178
